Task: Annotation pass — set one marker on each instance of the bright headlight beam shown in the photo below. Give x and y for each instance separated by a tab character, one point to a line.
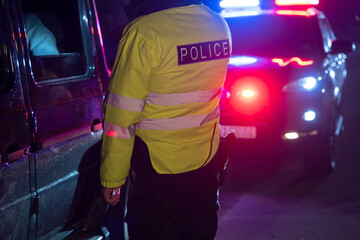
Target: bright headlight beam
309	83
303	84
291	135
309	116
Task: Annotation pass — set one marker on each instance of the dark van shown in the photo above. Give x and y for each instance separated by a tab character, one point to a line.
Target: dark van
53	76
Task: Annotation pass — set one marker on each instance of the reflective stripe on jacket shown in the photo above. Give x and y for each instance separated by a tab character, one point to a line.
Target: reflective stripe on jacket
165	88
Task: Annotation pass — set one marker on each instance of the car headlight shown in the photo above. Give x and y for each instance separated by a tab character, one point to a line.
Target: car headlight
303	84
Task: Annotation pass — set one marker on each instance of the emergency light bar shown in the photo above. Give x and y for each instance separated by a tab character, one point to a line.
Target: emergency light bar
239	3
307	13
239	13
296	2
241	61
236	8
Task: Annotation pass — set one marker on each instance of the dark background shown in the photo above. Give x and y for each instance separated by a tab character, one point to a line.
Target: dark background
344	17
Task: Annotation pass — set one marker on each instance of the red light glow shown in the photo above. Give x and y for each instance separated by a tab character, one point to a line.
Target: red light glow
296	2
299	61
306	13
108	71
249	95
111	133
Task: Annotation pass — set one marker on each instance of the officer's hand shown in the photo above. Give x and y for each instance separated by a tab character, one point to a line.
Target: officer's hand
111	195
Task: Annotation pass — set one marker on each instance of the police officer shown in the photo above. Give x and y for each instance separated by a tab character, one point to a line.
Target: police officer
161	122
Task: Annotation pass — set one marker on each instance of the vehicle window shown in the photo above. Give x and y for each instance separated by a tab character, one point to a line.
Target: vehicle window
54	39
276	36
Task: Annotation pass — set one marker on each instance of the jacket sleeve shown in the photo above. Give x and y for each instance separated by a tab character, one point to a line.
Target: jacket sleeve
123	105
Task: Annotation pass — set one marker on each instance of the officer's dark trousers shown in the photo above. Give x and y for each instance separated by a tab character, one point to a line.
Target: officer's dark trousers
171	206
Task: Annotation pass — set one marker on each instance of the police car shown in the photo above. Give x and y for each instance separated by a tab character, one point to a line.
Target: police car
282	92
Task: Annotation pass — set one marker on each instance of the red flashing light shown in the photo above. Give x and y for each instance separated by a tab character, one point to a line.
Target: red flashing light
296	2
299	61
306	13
249	95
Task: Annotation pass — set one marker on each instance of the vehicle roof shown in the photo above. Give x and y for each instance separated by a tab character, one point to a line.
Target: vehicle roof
272	33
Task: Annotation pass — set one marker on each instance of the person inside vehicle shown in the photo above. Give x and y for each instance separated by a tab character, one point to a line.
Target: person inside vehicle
40	39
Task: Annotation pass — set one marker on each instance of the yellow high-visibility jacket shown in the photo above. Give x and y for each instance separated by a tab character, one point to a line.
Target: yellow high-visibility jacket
165	88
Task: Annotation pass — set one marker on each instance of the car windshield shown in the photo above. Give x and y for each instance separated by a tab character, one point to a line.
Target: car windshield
272	35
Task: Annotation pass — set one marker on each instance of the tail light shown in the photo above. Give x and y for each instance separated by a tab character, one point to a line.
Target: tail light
249	95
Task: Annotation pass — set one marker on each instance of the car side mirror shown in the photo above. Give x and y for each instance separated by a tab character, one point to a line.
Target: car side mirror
342	46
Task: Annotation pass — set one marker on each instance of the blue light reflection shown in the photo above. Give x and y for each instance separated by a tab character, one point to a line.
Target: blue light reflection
242	61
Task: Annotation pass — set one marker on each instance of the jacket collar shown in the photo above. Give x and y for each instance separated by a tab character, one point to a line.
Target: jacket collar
143	7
